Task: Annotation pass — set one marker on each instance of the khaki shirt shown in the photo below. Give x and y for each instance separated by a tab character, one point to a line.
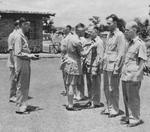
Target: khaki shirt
114	51
21	48
73	55
21	51
94	58
64	42
135	51
11	39
63	47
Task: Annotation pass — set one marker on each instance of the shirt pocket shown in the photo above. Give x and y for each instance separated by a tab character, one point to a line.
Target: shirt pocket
112	57
132	68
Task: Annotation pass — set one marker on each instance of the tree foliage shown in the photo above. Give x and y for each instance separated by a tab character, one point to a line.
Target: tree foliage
48	24
144	28
95	20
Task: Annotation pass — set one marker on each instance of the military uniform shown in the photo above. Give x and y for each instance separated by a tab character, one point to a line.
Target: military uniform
11	66
79	91
22	69
93	63
130	82
112	62
63	58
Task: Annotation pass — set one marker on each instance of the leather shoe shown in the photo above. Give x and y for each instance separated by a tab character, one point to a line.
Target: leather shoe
72	108
124	120
112	115
88	104
104	112
135	124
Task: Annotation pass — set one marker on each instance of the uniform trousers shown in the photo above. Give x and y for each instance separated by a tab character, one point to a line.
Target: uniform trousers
93	85
112	97
131	98
23	81
13	84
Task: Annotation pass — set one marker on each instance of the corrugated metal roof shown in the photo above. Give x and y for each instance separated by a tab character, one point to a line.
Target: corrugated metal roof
27	12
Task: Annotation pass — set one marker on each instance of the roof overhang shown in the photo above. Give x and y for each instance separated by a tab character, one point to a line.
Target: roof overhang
26	12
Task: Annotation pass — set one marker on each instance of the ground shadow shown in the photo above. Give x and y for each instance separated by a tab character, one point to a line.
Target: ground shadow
121	112
63	93
77	108
29	97
83	106
31	108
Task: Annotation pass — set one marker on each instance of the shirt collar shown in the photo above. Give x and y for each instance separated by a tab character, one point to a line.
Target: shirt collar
114	32
97	38
135	39
21	32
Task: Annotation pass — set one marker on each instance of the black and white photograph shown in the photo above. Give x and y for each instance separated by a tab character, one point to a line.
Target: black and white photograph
74	66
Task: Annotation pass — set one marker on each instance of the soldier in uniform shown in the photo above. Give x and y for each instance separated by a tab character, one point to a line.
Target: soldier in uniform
132	75
22	65
12	97
79	91
93	64
112	62
73	68
68	33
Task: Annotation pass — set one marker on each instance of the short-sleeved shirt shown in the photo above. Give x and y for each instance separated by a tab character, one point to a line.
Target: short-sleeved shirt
136	51
73	55
94	58
114	50
64	50
64	42
11	38
21	50
21	47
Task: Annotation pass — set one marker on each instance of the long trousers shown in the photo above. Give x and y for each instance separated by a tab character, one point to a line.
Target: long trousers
79	90
112	97
131	98
23	81
93	85
13	84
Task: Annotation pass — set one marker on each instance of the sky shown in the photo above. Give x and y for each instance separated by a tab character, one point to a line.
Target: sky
75	11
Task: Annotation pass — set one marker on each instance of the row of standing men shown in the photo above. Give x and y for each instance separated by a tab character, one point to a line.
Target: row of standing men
122	57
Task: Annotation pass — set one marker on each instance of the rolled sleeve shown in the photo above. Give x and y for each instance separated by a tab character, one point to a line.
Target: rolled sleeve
121	45
142	52
10	42
121	51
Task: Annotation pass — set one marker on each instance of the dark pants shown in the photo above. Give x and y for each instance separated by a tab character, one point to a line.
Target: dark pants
93	85
131	98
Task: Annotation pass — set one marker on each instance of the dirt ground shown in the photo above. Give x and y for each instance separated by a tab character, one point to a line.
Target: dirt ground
45	93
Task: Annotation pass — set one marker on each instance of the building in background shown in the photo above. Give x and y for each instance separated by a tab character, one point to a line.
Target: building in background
36	34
